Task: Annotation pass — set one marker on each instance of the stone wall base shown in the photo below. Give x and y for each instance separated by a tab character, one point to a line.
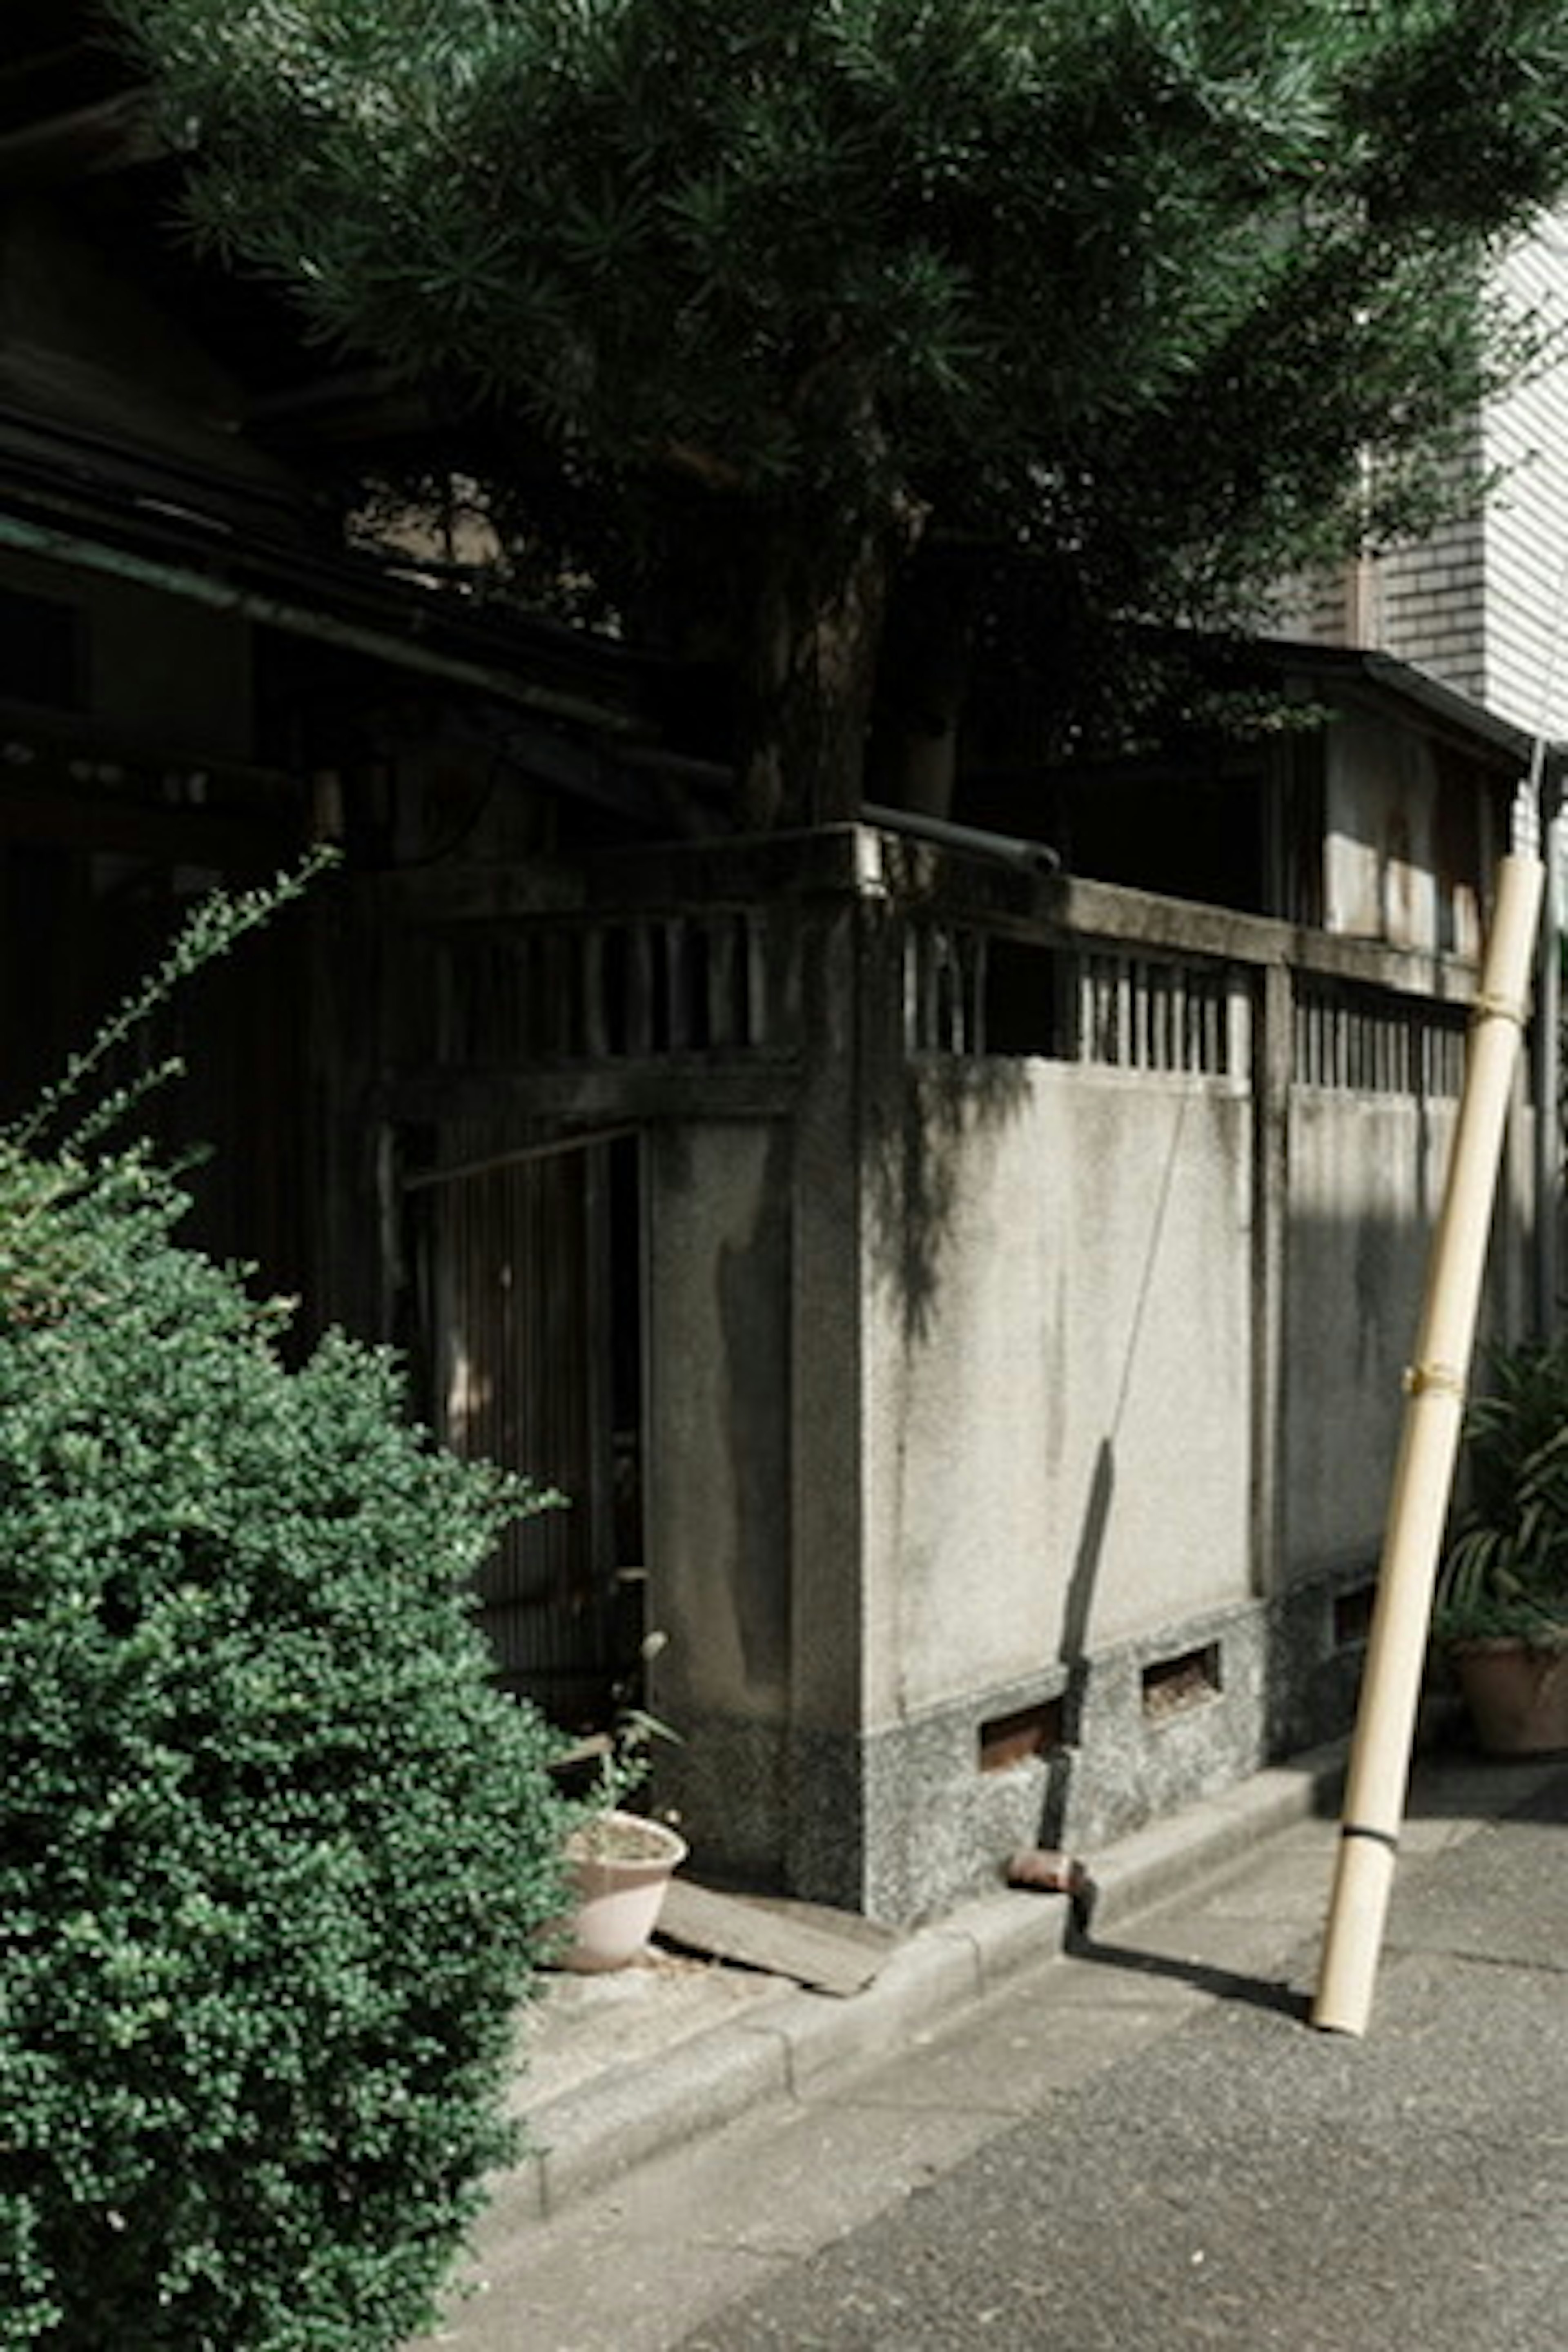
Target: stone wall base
902	1821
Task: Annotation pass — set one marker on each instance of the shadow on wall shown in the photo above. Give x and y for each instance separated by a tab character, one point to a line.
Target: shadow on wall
753	1277
917	1119
1078	1607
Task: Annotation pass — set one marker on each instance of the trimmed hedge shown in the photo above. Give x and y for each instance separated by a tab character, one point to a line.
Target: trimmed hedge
275	1855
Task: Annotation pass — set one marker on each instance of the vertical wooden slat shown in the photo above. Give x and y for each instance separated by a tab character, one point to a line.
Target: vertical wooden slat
598	1341
519	1294
979	1043
758	1024
639	990
1121	984
723	1026
926	1018
677	960
909	975
595	1029
955	1030
1237	1026
1344	1042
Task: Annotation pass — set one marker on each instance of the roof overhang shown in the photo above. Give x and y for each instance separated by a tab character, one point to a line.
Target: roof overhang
1399	691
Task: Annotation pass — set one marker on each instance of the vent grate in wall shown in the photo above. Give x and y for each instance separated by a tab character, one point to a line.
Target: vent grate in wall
1352	1616
1173	1685
1010	1740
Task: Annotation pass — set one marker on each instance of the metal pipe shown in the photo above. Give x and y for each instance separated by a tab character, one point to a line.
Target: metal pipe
968	840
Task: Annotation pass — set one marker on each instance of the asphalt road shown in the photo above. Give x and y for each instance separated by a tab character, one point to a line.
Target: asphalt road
1145	2147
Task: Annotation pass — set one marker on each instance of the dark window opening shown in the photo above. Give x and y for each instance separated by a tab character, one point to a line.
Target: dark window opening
526	1264
1352	1616
42	652
1024	1010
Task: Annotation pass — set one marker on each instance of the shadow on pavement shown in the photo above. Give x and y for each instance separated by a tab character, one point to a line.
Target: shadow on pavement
1221	1984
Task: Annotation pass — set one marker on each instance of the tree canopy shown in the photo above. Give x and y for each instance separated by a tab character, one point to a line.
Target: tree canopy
780	317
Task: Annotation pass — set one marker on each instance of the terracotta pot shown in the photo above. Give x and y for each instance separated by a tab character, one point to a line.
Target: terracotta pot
1518	1697
620	1867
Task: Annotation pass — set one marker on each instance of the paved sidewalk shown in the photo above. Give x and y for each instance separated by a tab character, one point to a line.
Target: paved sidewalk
841	2112
620	2068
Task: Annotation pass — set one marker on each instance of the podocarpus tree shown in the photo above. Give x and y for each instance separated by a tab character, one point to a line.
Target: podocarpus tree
800	295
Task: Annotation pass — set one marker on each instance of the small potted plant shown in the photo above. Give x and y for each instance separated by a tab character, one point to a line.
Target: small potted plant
618	1862
1501	1605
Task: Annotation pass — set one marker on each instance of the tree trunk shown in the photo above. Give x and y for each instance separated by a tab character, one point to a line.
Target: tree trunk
922	684
812	673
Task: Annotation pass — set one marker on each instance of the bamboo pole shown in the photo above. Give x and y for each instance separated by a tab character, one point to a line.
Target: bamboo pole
1424	1471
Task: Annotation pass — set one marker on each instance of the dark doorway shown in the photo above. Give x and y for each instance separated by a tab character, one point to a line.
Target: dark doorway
527	1263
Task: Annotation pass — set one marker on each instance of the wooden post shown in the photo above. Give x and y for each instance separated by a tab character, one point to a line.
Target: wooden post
1423	1476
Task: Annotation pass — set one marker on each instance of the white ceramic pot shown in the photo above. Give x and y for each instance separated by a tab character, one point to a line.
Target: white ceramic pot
620	1866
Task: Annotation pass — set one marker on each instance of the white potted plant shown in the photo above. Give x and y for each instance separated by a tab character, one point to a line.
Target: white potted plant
618	1862
1501	1605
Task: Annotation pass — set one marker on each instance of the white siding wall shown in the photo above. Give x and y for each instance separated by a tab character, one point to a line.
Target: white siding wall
1428	605
1527	517
1480	604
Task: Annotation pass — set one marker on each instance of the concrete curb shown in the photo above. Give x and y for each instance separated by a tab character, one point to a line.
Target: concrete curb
588	2137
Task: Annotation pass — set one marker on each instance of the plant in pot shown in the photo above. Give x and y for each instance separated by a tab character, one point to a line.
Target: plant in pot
619	1862
1501	1606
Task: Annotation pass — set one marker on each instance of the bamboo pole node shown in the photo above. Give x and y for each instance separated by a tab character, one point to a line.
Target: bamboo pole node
1499	1008
1365	1829
1422	1379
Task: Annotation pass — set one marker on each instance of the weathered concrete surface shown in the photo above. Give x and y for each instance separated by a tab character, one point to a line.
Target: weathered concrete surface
1057	1443
1037	1378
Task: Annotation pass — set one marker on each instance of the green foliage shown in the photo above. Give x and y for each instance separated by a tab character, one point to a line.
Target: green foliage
216	924
1506	1571
276	1858
1122	287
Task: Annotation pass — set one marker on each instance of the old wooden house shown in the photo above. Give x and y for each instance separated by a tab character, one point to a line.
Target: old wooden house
963	1300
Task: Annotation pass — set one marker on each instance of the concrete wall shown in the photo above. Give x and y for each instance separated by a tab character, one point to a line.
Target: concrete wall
720	1219
1065	1452
1057	1443
1021	1413
1056	1448
1020	1427
1366	1178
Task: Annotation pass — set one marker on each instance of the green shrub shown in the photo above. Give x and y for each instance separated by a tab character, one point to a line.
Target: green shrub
1505	1573
275	1856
